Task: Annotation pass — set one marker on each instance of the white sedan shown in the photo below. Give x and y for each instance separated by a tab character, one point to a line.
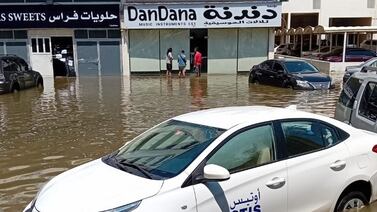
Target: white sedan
238	159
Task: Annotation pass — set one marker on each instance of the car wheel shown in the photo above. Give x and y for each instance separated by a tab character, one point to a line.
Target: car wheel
354	199
40	83
15	88
251	78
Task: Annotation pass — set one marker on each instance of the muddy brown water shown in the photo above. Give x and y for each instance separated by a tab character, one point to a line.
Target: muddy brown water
72	121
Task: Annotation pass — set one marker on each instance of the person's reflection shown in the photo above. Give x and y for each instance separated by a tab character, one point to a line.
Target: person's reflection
169	85
198	90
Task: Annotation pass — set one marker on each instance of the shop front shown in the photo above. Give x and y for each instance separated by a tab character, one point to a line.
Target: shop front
232	37
63	40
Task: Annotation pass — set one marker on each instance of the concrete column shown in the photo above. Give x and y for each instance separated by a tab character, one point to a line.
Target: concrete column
125	54
330	42
271	42
288	38
310	41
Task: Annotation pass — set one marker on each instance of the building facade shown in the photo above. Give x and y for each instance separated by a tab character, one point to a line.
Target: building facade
56	35
232	36
329	13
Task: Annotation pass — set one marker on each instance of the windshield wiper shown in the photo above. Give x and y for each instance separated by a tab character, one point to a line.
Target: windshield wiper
124	163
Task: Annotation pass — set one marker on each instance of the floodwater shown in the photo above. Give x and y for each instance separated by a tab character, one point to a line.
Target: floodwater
72	121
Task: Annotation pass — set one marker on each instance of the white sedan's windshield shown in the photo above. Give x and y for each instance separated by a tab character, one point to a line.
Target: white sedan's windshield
167	149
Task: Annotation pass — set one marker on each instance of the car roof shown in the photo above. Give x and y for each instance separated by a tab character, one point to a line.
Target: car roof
228	117
288	60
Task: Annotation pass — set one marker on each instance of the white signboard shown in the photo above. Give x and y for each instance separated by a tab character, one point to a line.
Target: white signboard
154	16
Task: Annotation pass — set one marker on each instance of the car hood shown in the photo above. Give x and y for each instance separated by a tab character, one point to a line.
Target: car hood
353	69
312	77
94	186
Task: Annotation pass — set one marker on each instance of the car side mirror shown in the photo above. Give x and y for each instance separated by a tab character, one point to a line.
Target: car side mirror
212	172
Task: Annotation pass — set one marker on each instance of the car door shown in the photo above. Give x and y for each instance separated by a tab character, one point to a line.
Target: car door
12	72
278	74
344	111
24	71
317	164
366	115
265	71
258	179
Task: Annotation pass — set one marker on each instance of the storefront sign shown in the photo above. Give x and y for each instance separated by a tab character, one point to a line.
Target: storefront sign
59	16
202	16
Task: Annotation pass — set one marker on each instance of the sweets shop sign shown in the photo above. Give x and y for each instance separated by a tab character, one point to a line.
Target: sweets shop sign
59	16
202	16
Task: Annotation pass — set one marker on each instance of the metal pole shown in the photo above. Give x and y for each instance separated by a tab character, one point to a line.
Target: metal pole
344	47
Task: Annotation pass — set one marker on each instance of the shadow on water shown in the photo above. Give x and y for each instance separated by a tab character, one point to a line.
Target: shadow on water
72	121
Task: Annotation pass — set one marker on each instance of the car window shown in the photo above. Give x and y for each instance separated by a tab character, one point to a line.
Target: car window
368	102
247	149
349	92
307	136
267	64
374	64
278	67
23	65
10	66
299	67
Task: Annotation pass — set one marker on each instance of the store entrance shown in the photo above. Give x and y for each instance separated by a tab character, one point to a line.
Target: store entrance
199	38
62	56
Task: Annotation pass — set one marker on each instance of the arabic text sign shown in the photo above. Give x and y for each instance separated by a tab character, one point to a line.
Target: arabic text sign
202	16
59	16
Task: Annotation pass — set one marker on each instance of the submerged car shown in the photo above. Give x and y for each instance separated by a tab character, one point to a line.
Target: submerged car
350	70
16	75
297	74
357	103
226	159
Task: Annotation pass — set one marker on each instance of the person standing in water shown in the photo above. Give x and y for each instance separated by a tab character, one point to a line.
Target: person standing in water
169	61
182	64
197	61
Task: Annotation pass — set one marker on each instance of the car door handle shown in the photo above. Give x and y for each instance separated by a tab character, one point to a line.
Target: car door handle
276	182
338	165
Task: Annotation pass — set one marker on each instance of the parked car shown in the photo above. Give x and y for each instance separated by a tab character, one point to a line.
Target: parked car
369	44
287	49
357	103
352	55
353	69
317	53
283	49
294	73
226	159
16	75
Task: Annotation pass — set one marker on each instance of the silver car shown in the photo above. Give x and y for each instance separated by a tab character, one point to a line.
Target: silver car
350	70
357	103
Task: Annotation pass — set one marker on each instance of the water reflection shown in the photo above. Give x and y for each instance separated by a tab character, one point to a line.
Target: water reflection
72	121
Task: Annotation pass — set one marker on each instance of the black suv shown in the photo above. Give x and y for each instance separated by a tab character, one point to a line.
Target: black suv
15	74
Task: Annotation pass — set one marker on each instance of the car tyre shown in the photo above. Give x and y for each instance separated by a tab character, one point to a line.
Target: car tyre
251	78
15	88
354	199
40	83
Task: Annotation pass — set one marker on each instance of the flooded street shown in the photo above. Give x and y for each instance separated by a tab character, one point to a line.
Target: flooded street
43	133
